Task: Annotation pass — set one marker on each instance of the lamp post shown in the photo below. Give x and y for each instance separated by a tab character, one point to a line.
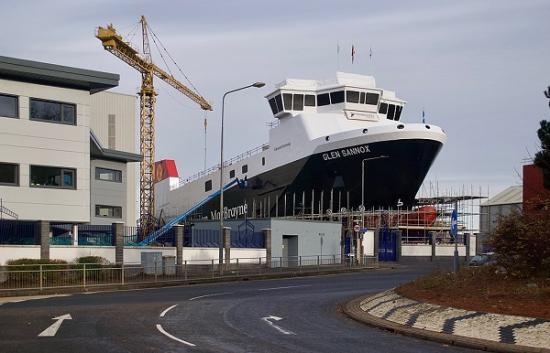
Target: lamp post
256	85
363	179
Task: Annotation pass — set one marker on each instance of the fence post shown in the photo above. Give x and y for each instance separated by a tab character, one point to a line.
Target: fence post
84	275
467	246
212	269
399	241
237	266
434	240
334	259
41	278
155	262
122	274
117	229
178	230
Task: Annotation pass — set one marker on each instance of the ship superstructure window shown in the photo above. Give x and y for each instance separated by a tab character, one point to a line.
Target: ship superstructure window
309	100
9	106
362	98
273	106
232	173
287	100
244	168
263	160
108	211
108	174
352	96
298	102
337	97
279	102
391	111
398	109
9	174
53	177
208	186
323	99
383	108
372	98
56	112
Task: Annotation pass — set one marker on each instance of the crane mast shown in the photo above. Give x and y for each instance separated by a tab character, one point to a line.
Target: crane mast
117	46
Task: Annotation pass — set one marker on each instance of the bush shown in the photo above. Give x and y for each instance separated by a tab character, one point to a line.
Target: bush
92	260
522	243
25	264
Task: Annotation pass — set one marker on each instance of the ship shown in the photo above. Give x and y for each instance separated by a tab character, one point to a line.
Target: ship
334	145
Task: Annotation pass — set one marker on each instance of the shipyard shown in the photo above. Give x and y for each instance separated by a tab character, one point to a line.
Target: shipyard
233	177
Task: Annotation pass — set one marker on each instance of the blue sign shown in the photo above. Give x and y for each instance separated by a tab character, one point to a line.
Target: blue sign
454	223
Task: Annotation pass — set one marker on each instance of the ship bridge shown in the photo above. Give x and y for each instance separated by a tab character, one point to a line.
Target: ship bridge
355	95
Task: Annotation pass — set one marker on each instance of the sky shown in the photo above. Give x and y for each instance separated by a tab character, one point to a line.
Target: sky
477	68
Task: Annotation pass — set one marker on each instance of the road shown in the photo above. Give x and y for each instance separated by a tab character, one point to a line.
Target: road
283	315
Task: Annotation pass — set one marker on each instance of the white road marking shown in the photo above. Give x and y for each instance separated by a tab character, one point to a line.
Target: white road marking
6	300
209	295
167	310
286	287
159	327
278	328
52	330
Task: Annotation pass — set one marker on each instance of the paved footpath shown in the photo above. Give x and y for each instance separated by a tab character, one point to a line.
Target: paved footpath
494	332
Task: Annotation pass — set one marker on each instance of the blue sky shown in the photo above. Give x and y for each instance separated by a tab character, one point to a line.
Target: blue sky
478	68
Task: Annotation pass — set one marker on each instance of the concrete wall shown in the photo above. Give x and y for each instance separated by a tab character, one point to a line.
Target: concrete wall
111	193
27	142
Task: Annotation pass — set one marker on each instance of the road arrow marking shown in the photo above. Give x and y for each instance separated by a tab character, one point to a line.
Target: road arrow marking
52	330
278	328
161	330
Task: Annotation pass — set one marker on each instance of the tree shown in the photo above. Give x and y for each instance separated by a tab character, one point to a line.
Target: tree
542	158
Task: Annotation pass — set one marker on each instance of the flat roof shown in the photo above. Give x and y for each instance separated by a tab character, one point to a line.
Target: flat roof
99	152
56	75
510	195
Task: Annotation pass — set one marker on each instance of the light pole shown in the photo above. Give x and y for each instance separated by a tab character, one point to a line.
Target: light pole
363	177
256	85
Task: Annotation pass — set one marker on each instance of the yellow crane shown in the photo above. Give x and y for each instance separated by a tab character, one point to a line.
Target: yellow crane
116	45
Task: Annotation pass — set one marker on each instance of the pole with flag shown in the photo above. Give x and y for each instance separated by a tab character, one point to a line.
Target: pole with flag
352	53
370	54
338	55
423	117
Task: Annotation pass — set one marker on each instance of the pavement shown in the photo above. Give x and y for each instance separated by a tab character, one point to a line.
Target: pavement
475	329
280	315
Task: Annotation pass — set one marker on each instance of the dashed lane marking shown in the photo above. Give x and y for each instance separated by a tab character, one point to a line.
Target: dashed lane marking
161	330
167	310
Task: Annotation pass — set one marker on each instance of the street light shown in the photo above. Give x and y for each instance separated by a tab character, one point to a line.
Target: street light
256	85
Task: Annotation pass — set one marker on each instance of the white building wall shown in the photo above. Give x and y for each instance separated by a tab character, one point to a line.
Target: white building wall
26	142
123	107
109	193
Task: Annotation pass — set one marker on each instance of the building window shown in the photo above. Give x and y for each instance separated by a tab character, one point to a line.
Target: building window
309	100
62	113
53	177
108	174
112	131
108	211
9	174
263	160
232	173
208	186
244	168
9	106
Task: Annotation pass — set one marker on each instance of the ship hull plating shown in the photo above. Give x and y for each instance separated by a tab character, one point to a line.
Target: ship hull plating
331	180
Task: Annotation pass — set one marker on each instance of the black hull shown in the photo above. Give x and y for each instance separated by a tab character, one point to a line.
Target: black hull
397	176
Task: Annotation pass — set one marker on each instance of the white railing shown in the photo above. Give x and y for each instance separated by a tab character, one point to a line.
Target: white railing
227	163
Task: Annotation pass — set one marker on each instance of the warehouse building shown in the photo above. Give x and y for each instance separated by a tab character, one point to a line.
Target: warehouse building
67	144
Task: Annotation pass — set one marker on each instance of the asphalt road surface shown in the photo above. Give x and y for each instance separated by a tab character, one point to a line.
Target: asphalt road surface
283	315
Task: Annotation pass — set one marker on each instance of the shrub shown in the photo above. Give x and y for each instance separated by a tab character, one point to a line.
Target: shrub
92	260
522	243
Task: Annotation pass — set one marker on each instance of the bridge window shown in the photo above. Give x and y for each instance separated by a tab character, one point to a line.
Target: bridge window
362	99
208	186
352	96
337	97
383	108
298	102
232	173
279	102
372	98
391	111
244	169
263	160
287	99
398	109
323	99
273	106
309	100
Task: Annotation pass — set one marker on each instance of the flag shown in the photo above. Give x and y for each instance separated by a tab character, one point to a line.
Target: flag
352	53
370	53
337	48
423	115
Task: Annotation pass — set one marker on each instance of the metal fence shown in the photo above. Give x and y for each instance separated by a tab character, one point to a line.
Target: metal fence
15	232
48	276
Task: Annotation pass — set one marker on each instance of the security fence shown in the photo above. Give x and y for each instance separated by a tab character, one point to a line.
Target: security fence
51	276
